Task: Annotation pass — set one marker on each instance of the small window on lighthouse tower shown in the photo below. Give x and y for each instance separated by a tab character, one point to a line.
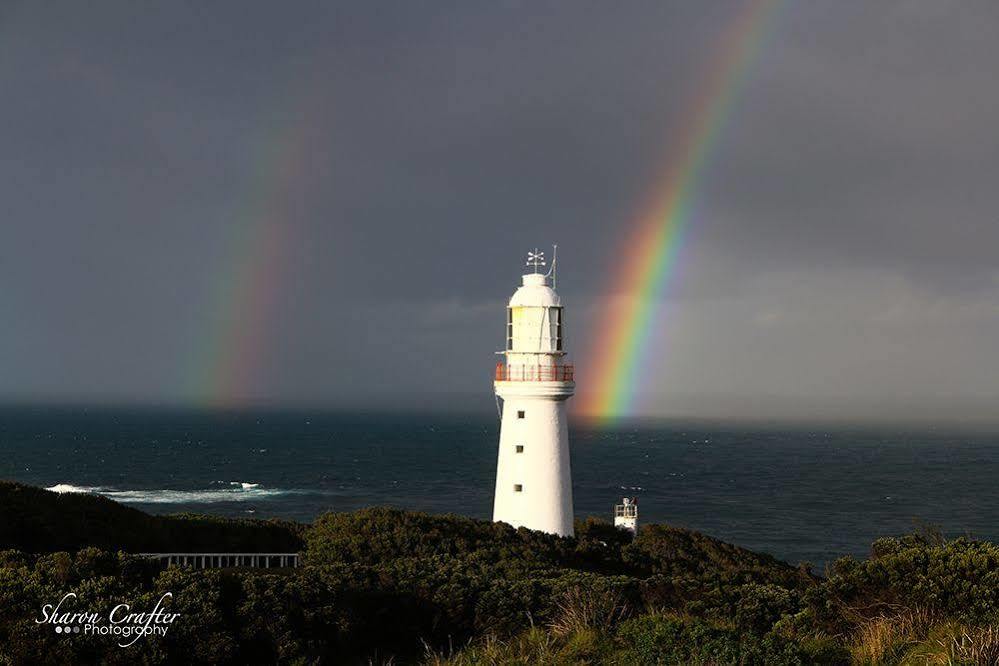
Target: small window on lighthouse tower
517	488
520	448
520	414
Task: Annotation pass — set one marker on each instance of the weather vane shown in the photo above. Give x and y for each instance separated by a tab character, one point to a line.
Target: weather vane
536	259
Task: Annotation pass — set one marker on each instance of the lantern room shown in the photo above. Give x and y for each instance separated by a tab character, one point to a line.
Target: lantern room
534	318
535	331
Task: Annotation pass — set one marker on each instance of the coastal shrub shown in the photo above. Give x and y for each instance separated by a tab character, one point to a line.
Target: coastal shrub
568	599
958	578
598	547
671	551
379	534
759	607
753	606
669	639
508	606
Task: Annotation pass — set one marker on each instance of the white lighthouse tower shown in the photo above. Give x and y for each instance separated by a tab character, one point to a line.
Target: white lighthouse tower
533	479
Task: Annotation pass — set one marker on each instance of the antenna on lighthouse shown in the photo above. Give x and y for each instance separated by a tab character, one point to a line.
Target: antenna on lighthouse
551	271
536	259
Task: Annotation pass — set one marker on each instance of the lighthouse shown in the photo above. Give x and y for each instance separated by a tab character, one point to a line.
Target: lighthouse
533	477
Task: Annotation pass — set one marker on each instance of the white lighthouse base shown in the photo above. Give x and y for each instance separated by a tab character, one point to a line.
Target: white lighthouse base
533	476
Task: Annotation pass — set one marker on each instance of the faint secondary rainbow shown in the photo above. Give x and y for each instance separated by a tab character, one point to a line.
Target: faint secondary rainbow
228	362
652	247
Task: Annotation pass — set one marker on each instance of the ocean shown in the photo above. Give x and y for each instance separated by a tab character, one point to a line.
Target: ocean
801	494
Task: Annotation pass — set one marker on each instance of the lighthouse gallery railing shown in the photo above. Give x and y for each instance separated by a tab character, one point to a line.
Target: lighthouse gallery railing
534	373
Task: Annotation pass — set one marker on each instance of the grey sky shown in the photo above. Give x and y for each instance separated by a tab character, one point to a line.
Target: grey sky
843	262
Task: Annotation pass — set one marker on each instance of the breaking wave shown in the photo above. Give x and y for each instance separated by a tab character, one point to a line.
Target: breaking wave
233	491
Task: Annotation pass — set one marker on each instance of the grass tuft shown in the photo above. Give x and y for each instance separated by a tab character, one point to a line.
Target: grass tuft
582	609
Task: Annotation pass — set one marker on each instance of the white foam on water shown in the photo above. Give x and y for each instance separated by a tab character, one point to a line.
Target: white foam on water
69	488
238	491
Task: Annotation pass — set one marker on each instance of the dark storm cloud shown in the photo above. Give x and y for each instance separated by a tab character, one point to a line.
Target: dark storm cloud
842	261
864	142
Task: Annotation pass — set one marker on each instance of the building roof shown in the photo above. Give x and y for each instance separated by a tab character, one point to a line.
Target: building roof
535	292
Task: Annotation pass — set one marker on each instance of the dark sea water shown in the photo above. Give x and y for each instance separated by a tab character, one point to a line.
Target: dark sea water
801	494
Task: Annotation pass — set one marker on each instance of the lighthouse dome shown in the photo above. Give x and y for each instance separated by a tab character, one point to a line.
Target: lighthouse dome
535	292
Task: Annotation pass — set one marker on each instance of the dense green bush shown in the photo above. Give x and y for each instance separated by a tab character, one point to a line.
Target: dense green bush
383	584
957	579
663	639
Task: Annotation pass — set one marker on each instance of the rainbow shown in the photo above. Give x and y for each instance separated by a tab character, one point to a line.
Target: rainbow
227	366
654	245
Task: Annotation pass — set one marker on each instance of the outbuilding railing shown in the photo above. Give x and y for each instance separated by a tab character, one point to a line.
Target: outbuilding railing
534	373
226	560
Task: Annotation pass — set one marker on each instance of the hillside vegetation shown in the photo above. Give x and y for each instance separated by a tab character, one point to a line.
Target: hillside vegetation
387	586
35	520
